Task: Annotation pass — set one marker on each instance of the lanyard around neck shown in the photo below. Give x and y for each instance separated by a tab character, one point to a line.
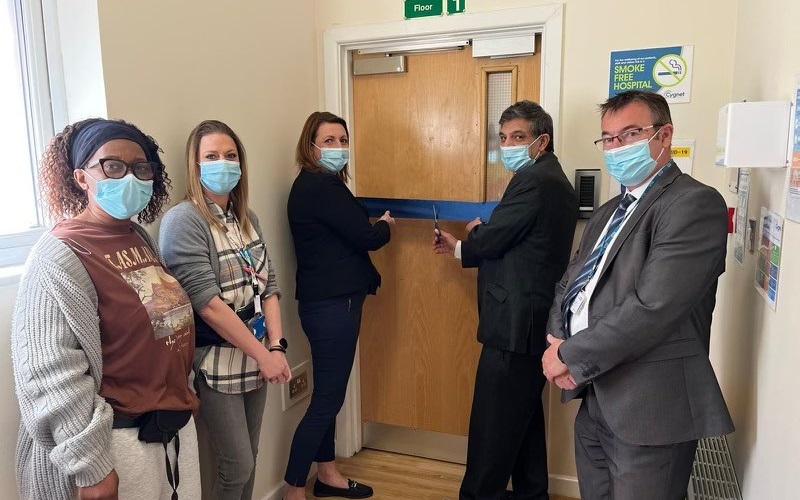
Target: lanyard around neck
249	261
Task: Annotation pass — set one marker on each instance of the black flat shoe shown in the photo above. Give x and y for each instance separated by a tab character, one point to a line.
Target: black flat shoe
353	490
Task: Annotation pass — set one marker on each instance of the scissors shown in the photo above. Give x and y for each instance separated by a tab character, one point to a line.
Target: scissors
436	224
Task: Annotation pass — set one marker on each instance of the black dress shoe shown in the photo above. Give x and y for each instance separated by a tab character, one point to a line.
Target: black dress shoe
353	490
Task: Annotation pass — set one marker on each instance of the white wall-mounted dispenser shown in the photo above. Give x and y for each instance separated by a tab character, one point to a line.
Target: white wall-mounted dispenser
753	134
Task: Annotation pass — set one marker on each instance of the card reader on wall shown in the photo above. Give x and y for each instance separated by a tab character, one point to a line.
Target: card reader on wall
587	186
754	134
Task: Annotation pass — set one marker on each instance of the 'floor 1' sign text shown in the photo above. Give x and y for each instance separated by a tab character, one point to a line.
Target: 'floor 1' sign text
423	8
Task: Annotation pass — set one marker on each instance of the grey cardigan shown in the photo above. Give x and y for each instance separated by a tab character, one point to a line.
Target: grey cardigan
191	256
65	428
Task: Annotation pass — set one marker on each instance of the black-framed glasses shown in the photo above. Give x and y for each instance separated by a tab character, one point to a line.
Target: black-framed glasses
117	169
625	138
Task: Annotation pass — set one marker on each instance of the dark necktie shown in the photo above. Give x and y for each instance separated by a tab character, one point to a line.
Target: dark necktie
590	266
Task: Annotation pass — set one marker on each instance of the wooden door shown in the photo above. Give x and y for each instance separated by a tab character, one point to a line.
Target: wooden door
422	135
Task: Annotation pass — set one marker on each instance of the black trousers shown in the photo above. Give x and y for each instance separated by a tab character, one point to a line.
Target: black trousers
331	326
610	468
506	429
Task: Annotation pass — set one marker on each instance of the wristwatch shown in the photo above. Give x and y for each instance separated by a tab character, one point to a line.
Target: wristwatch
282	345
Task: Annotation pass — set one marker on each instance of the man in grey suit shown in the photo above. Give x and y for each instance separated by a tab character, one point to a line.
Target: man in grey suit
631	321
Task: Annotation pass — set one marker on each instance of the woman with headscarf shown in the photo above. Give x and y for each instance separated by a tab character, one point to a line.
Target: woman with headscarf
103	335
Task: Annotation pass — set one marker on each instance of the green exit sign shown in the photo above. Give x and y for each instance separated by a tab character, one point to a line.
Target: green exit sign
423	8
455	6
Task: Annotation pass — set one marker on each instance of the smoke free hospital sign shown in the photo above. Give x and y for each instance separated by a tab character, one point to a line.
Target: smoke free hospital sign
665	70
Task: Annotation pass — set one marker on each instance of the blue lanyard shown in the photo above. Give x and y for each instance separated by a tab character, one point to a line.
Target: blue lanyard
611	236
249	267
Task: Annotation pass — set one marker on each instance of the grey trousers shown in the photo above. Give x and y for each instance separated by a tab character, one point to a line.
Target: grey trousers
609	468
234	426
142	469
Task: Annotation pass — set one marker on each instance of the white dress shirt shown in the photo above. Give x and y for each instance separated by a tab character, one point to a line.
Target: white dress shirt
580	321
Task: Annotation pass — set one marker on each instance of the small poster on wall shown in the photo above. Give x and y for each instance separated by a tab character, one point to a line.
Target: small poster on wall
793	196
741	216
664	70
768	259
682	152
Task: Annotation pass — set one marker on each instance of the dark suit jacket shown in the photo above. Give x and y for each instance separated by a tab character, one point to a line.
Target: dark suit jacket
646	348
521	251
332	235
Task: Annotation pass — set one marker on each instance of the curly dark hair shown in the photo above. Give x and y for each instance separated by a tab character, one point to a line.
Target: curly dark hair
62	195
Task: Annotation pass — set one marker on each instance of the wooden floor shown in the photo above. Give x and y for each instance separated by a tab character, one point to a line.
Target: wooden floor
401	477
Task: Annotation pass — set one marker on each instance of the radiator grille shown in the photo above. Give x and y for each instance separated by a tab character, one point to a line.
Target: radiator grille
713	476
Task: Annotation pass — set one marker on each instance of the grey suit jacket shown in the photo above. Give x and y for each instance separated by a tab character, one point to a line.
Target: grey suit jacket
646	348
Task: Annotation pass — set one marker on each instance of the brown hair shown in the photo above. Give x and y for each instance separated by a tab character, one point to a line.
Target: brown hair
194	189
659	109
305	152
62	195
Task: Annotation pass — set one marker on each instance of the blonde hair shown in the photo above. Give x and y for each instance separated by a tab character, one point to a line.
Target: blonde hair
194	189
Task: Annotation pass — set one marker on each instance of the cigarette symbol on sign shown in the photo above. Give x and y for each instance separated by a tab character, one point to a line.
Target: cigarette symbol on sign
670	70
675	69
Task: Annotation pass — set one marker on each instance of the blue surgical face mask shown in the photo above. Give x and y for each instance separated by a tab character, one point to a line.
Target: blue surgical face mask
516	157
123	198
220	176
333	159
631	164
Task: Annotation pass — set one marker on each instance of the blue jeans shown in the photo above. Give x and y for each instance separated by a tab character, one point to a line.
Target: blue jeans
331	326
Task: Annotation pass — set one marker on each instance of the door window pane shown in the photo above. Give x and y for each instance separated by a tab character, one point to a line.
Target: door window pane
498	98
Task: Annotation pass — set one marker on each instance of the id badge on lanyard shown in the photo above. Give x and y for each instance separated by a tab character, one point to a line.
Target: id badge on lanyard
254	277
256	296
578	303
258	324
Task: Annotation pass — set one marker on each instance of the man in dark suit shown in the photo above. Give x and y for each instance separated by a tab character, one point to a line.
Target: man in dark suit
633	315
521	251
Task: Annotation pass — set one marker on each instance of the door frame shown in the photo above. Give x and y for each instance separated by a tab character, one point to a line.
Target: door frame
547	20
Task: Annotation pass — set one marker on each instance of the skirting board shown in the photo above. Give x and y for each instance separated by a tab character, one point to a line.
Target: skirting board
415	442
565	486
277	492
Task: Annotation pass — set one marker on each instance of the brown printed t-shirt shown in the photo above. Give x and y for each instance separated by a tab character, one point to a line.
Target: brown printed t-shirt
146	321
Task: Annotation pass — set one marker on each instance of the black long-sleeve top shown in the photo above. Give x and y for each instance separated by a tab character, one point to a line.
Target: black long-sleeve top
332	235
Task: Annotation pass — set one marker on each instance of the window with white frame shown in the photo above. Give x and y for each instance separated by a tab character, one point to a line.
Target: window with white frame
26	124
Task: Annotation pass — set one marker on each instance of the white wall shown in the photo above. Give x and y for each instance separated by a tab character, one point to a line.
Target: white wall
592	29
761	346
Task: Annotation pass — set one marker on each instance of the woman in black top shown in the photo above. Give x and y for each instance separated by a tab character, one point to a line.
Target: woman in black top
332	235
